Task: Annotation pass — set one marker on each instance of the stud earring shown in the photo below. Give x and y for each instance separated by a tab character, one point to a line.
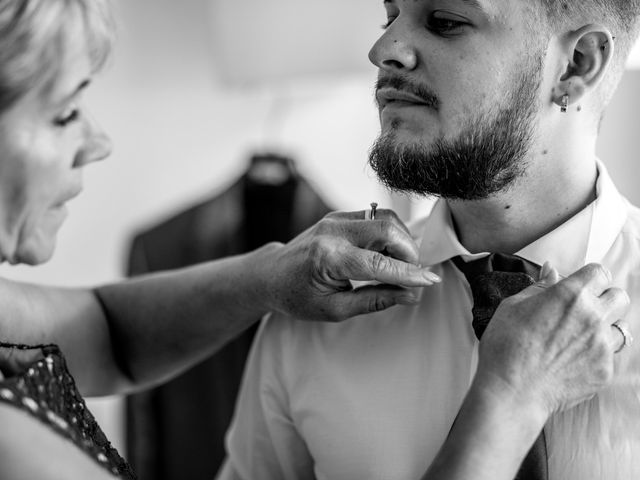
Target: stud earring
564	105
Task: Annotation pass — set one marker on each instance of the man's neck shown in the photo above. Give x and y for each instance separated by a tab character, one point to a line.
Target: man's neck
552	191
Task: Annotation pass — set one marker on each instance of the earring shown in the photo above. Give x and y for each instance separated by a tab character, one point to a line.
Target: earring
564	105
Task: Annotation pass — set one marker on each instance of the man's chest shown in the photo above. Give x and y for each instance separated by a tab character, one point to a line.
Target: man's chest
378	400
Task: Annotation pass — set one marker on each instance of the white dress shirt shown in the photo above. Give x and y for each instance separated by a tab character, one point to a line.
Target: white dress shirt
375	397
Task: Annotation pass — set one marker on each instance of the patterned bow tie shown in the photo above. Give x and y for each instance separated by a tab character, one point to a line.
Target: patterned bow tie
492	279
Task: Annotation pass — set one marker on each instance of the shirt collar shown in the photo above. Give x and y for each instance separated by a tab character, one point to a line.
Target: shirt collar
584	238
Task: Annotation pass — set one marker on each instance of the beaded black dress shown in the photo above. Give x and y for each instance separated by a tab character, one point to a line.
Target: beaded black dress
37	382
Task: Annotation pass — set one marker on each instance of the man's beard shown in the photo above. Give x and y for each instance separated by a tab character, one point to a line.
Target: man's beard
486	158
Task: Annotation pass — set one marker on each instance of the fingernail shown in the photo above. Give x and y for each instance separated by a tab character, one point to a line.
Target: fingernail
432	277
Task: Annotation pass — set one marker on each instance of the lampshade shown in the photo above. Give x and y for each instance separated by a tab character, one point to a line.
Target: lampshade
267	41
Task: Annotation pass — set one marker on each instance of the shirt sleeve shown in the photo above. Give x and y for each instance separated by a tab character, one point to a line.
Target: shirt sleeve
263	442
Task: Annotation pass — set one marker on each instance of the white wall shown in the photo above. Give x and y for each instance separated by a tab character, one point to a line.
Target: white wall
618	146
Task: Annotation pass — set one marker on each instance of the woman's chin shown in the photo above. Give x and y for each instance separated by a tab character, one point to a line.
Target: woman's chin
37	240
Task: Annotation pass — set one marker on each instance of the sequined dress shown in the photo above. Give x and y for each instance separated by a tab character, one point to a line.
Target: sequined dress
37	381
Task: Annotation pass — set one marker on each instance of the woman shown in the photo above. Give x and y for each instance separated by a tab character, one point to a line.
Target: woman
124	336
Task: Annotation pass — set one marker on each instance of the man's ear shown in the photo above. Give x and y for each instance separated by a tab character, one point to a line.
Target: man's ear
589	54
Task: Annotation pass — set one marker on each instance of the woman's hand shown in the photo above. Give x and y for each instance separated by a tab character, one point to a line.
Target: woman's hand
311	276
554	346
545	350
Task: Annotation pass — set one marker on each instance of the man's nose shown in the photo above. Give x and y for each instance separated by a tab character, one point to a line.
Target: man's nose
393	52
97	145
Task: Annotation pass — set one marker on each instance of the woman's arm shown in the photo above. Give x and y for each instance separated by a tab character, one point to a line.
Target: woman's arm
142	331
490	438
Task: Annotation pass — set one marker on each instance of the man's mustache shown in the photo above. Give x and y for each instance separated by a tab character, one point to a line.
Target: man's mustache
402	84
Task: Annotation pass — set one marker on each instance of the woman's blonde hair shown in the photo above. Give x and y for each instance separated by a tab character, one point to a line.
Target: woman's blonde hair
32	39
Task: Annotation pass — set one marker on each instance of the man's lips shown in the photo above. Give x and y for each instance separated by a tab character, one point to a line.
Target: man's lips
387	96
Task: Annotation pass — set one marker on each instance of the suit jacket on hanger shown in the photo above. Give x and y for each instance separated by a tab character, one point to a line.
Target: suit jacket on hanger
176	431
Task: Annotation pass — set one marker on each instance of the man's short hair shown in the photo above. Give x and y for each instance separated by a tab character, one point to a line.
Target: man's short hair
620	16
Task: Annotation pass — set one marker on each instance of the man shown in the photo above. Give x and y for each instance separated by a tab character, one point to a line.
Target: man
493	106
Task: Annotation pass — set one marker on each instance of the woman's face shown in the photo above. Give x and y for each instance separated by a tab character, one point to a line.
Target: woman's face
45	140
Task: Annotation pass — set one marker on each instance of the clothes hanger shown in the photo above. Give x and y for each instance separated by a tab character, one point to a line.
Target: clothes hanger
271	169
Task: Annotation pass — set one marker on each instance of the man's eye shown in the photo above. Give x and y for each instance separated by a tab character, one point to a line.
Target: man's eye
67	118
446	25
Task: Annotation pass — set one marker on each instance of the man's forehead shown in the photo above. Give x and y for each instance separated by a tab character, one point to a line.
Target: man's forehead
472	3
496	10
477	4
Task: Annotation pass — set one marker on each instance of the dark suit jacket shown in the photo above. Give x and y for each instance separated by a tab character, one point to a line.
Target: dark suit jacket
176	431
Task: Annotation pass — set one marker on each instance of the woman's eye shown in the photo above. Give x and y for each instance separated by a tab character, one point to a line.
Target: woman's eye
67	118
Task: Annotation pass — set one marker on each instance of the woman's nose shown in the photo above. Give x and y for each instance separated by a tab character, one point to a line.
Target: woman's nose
97	145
